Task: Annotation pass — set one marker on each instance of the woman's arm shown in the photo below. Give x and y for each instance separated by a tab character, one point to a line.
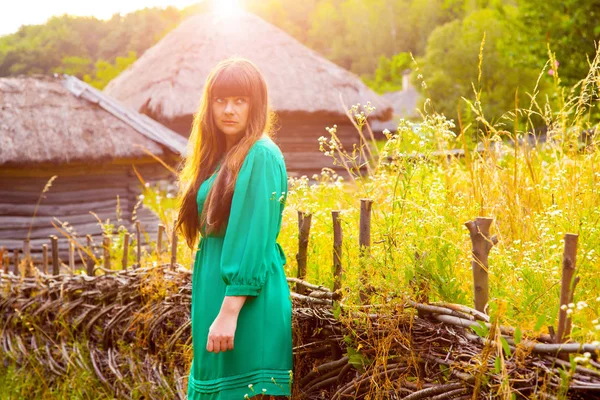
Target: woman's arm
232	305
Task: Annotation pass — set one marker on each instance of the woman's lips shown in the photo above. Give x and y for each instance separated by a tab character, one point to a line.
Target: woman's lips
229	122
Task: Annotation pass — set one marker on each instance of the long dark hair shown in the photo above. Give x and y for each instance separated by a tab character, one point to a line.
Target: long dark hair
207	147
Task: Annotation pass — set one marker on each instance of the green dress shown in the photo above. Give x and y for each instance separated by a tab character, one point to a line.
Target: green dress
246	261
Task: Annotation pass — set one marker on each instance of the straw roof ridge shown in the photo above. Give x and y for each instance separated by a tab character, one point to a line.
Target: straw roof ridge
60	119
167	80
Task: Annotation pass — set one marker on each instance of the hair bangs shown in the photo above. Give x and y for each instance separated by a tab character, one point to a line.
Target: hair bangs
231	82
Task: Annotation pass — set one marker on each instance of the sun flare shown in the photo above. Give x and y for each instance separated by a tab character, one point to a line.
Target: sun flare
226	7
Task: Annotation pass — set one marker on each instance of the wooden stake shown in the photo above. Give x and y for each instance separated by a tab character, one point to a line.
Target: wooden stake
174	245
71	257
304	221
337	251
45	258
55	265
2	262
479	231
364	239
27	255
567	287
90	260
159	241
16	262
106	248
138	233
125	250
6	262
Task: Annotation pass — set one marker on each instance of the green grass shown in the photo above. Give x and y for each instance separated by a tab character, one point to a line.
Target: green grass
28	383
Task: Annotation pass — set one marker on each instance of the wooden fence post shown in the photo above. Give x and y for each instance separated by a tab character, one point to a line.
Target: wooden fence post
138	236
55	265
364	239
567	286
159	241
16	271
45	258
125	250
337	251
27	255
71	257
3	263
90	260
479	231
6	262
304	221
106	249
174	245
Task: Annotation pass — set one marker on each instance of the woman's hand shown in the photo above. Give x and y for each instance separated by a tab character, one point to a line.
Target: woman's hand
221	333
222	330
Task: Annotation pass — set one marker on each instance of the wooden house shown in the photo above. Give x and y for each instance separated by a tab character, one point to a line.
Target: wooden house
60	126
308	92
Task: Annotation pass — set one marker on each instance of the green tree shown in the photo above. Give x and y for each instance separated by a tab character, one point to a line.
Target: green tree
571	29
74	44
74	65
450	65
389	73
105	71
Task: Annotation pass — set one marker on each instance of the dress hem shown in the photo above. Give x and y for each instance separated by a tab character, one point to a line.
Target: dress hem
277	380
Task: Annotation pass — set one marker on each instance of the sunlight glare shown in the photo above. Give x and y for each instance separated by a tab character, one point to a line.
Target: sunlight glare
226	7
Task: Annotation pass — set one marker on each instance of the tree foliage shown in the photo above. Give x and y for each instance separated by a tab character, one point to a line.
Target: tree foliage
451	66
375	39
84	46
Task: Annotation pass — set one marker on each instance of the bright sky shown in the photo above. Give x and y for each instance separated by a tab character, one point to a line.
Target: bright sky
15	13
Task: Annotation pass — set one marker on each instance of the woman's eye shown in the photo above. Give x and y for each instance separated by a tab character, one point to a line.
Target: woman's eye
241	100
219	100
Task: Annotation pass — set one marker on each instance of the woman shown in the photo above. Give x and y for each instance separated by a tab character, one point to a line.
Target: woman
234	185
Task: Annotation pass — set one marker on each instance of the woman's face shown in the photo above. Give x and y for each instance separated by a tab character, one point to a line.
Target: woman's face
231	114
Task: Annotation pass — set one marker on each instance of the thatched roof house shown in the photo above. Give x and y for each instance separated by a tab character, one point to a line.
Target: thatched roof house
64	127
306	90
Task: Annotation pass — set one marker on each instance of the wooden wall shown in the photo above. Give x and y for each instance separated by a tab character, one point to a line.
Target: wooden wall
297	136
77	191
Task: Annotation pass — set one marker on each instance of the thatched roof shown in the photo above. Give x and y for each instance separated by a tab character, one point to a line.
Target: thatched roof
167	81
60	119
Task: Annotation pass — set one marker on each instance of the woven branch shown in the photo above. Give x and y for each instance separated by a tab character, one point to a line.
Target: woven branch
131	329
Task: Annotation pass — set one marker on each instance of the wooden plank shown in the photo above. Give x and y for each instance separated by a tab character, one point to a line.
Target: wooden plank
20	209
16	223
83	171
71	197
81	229
35	187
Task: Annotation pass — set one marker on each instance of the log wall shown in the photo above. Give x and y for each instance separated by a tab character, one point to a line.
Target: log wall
77	191
297	136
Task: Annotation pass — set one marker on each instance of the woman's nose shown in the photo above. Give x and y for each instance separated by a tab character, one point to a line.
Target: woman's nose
229	107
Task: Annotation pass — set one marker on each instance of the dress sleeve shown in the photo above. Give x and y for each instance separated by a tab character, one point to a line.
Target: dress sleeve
254	210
